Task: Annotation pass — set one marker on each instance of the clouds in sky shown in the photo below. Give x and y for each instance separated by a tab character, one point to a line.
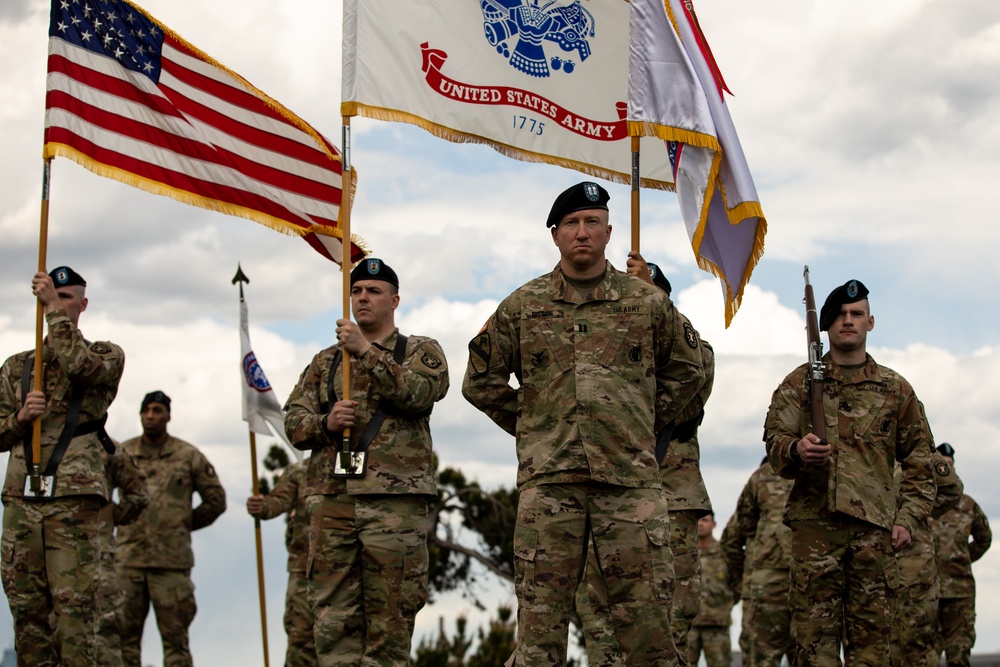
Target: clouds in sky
869	128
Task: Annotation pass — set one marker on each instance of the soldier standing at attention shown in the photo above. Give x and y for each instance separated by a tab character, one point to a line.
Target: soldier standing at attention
289	497
842	509
956	553
710	628
757	546
915	607
603	363
52	519
368	507
154	553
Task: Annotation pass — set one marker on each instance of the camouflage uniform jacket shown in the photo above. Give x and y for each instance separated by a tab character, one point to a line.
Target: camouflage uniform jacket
161	537
955	553
873	420
400	455
717	596
67	358
123	473
756	542
289	496
680	470
600	374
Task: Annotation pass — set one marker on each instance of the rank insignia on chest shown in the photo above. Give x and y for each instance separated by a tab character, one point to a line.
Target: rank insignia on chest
886	427
540	358
635	355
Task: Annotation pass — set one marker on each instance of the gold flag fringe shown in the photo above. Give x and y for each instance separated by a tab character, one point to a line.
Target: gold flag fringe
456	136
645	128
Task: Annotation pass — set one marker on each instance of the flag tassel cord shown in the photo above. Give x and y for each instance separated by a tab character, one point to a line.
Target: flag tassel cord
257	540
43	244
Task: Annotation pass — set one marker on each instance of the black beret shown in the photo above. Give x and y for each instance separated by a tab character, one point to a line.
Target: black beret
944	449
374	269
850	292
155	397
64	276
659	279
580	197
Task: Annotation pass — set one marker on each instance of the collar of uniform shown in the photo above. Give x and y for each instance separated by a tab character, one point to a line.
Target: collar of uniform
387	343
610	289
870	372
149	451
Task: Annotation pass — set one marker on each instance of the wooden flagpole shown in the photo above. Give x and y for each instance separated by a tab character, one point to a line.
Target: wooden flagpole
43	245
344	223
260	551
239	279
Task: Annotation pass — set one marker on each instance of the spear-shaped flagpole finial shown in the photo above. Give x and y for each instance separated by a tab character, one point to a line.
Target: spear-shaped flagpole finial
240	278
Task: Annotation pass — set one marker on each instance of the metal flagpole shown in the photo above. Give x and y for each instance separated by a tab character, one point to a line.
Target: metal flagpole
635	193
43	244
241	278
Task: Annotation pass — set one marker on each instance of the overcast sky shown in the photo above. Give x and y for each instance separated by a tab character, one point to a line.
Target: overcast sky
870	129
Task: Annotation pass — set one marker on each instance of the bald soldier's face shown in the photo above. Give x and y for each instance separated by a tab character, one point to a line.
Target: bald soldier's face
581	238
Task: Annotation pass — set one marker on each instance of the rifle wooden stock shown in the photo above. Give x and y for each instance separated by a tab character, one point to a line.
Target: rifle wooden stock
816	376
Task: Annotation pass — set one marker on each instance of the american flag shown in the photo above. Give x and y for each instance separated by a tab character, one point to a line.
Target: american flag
131	100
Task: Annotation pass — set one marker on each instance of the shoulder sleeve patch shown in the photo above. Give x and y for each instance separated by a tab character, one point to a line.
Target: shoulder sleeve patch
100	348
480	349
941	468
690	336
430	361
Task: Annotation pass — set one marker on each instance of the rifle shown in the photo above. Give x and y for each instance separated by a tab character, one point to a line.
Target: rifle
816	377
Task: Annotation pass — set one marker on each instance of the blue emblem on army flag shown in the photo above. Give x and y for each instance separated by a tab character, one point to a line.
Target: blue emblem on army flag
254	374
518	28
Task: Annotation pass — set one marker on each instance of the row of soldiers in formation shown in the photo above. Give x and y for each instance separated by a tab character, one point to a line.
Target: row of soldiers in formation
602	383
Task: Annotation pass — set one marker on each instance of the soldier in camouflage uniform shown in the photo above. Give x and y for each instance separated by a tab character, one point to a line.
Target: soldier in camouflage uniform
757	546
955	556
154	553
289	497
914	622
603	363
842	509
687	498
368	559
51	547
710	629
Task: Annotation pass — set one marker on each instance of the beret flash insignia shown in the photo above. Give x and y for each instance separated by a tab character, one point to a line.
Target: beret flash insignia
690	336
852	288
591	192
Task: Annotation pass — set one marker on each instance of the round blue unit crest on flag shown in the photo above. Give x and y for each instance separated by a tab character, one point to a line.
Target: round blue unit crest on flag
255	374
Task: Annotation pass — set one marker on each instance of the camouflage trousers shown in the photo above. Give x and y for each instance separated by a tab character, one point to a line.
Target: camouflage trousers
957	621
628	529
50	567
915	610
687	574
843	579
301	651
368	575
171	592
765	634
714	642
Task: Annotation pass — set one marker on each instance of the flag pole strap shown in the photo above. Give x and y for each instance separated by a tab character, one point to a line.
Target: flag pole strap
43	244
260	551
635	193
344	222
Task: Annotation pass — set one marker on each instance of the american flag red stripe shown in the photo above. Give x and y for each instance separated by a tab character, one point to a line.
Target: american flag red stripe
129	99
